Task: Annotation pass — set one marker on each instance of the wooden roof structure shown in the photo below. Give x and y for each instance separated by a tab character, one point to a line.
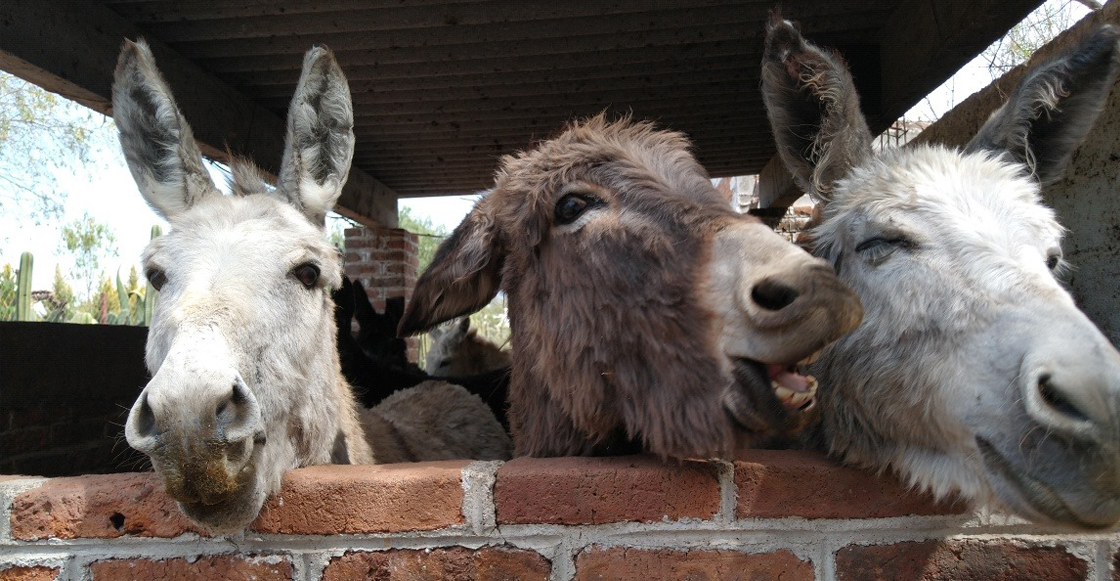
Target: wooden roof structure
443	88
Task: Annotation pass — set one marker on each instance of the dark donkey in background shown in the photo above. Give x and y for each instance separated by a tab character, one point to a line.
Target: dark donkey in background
646	315
376	363
973	372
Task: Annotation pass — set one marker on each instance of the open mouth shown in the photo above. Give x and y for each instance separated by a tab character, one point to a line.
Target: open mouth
769	396
796	391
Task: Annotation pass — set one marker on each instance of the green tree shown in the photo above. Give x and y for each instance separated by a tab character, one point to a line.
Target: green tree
61	307
88	241
429	234
40	133
8	293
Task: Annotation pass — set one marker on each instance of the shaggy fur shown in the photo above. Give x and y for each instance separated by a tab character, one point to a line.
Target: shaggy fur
458	350
973	373
245	375
628	319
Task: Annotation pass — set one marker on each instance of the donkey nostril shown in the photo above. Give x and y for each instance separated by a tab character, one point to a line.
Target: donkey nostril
146	419
1054	398
773	295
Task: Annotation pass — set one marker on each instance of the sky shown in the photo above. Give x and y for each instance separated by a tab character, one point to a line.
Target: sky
106	190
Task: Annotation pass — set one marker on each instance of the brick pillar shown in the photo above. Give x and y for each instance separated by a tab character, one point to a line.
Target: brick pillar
384	260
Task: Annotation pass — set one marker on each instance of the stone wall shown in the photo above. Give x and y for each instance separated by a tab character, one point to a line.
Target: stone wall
772	515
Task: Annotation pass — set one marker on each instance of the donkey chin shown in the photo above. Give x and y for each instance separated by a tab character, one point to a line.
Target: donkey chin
220	493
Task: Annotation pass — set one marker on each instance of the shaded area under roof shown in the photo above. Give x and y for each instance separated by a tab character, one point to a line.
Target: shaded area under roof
442	89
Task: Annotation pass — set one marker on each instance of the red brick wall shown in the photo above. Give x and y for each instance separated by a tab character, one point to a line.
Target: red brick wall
384	260
769	516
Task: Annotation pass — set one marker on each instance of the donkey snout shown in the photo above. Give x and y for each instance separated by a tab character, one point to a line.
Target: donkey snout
180	423
1078	399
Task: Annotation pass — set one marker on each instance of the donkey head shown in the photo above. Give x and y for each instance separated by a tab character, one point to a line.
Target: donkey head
241	346
642	308
973	371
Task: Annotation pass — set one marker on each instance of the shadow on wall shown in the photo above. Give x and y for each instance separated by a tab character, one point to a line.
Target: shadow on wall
65	396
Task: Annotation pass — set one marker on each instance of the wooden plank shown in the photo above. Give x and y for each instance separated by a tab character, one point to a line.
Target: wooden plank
926	41
70	47
776	188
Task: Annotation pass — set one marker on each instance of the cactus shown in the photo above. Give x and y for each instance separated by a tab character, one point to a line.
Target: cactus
23	288
150	294
124	315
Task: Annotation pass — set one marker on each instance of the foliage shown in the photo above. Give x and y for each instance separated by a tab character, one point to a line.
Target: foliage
492	321
8	289
1038	28
429	235
60	305
88	240
40	133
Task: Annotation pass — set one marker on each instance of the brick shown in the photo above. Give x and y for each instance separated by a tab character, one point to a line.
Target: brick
225	567
776	484
37	573
1116	566
323	500
631	564
104	506
958	559
442	564
603	490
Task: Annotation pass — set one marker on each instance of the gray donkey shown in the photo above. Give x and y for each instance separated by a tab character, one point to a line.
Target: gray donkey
973	372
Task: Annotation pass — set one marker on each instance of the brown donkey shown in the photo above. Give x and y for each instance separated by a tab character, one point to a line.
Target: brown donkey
646	315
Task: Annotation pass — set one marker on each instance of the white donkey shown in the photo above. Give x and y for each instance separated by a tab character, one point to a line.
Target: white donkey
246	381
973	372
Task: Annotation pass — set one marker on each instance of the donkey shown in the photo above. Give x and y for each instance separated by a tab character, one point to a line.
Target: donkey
245	374
973	372
458	350
645	313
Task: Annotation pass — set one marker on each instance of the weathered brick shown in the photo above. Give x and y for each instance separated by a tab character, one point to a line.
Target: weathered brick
631	564
97	507
36	573
323	500
602	490
444	564
775	484
953	560
224	567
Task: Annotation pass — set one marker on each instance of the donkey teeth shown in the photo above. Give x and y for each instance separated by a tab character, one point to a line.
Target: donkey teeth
791	399
811	358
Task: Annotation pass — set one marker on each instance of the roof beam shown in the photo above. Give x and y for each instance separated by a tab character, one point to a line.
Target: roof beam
926	41
71	47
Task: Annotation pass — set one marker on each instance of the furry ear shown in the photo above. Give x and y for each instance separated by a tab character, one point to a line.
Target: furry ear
320	140
813	109
464	275
158	144
394	309
1052	109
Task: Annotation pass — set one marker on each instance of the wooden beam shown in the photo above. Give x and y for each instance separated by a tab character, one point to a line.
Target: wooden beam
925	41
70	48
776	188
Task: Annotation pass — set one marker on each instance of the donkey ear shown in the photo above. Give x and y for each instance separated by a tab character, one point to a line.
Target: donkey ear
813	109
158	144
1053	107
464	275
394	309
320	140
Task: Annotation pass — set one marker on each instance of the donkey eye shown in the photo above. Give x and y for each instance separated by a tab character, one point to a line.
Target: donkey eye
878	248
1054	259
572	206
307	274
156	277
